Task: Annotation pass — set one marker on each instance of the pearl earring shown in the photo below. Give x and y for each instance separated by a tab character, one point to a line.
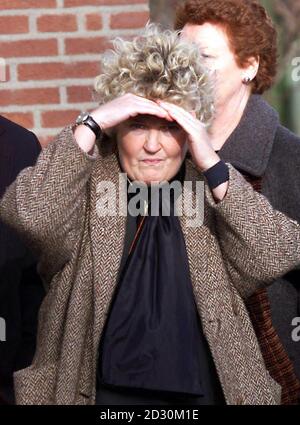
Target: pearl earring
247	80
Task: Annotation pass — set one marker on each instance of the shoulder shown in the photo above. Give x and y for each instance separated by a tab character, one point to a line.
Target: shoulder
282	178
18	141
287	142
285	152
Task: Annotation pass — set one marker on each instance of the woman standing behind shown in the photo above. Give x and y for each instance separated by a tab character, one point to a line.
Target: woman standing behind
237	40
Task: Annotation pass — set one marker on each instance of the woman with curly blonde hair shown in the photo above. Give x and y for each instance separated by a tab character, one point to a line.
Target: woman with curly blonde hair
145	304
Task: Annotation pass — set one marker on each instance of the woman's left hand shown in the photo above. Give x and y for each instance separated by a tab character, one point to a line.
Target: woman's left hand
198	140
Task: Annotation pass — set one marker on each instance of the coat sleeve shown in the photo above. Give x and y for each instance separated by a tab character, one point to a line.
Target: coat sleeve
258	243
46	202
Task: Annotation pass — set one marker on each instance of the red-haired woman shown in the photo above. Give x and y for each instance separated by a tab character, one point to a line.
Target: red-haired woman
238	42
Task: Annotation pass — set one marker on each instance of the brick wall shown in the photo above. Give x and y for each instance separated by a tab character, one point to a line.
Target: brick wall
51	48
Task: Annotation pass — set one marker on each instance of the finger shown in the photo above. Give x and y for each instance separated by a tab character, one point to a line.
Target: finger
179	113
191	115
140	100
174	107
146	109
185	123
149	101
141	105
144	104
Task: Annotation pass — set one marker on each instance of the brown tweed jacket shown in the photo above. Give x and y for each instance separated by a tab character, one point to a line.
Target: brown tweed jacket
275	356
242	245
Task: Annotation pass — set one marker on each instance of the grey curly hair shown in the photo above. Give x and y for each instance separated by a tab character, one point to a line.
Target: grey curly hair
156	64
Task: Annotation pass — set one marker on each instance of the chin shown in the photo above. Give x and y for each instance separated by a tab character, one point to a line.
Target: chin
154	180
153	177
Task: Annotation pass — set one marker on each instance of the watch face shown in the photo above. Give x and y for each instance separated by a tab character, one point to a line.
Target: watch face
82	117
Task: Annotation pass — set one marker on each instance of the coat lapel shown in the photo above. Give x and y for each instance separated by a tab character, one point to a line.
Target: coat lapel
107	240
198	259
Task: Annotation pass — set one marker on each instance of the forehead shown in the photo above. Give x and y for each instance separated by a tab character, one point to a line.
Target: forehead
208	35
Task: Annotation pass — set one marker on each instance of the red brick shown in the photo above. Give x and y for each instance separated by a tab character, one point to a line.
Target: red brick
57	23
26	4
129	20
14	24
52	119
28	48
58	70
75	46
93	21
29	96
75	3
7	73
79	94
23	118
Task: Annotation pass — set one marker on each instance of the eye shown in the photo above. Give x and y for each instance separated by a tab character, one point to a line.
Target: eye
206	56
137	126
171	127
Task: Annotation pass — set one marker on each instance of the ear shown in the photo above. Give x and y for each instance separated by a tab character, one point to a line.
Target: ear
252	67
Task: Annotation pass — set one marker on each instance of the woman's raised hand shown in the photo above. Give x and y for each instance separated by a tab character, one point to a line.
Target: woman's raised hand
113	113
124	107
198	139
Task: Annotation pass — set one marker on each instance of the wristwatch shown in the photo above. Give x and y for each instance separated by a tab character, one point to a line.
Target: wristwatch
86	119
217	174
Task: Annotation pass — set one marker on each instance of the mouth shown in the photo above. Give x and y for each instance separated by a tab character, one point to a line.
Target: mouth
152	161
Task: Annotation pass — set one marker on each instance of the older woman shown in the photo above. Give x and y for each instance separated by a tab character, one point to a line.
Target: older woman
165	322
237	42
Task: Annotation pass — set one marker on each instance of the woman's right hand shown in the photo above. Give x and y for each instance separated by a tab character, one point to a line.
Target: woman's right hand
113	113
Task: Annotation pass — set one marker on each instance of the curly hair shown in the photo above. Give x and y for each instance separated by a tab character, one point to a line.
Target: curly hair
156	64
250	31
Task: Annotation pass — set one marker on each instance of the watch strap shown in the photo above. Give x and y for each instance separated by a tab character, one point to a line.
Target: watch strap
217	174
93	125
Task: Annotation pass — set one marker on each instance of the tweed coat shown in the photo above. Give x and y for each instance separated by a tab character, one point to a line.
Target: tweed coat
242	245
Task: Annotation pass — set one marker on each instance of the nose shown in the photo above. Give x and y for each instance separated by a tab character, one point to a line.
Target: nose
152	141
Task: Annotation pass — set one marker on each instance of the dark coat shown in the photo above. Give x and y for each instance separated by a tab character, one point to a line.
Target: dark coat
21	290
263	148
